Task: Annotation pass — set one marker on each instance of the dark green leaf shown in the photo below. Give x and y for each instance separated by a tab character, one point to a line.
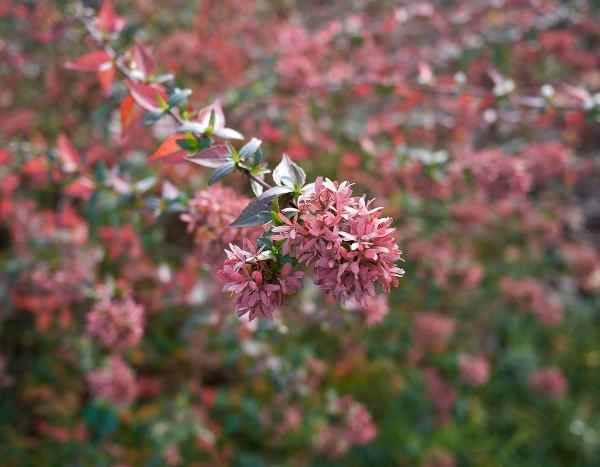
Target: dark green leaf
150	118
250	148
258	212
189	144
221	172
264	242
178	97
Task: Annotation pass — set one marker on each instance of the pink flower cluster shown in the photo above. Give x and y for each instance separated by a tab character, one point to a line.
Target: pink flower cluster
375	309
474	369
115	383
255	281
495	173
534	298
431	331
549	382
210	214
346	242
441	393
118	324
357	427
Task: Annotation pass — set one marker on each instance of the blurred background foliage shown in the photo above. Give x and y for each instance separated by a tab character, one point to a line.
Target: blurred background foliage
475	124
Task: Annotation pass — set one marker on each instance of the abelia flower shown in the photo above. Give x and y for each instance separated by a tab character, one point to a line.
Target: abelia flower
356	427
210	222
118	324
549	382
115	383
432	331
349	246
474	370
441	393
530	294
374	309
255	281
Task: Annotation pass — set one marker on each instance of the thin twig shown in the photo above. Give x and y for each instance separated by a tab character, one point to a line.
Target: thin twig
126	72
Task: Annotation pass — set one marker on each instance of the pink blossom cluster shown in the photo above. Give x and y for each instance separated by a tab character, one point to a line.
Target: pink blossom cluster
474	369
448	264
349	246
441	393
530	294
121	242
431	331
257	285
209	216
585	261
495	173
375	309
549	382
115	382
356	427
118	324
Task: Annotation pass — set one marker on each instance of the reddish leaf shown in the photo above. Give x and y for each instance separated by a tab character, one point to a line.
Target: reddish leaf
36	166
67	153
108	21
129	112
93	61
215	156
142	60
5	157
82	188
169	148
147	96
106	78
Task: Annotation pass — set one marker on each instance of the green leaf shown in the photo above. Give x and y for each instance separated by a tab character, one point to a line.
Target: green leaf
101	172
101	419
189	144
250	148
221	172
258	212
150	118
179	96
264	242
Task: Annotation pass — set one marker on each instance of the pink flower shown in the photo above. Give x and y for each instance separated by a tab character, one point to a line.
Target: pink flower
117	324
474	370
355	427
549	382
495	174
257	285
115	383
530	294
350	248
440	393
374	309
431	331
210	214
